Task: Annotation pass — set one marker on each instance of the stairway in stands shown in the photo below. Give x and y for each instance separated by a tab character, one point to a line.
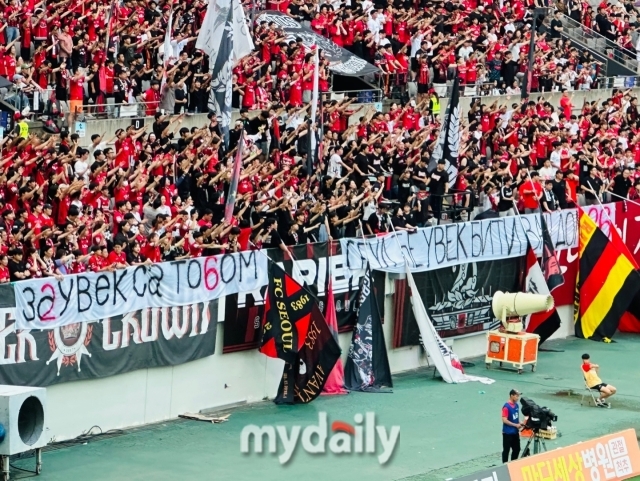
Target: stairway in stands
618	61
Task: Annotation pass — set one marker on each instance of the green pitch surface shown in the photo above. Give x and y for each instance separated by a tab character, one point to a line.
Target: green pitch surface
445	430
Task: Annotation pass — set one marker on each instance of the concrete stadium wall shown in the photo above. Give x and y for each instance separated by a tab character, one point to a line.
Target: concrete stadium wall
109	126
579	97
159	394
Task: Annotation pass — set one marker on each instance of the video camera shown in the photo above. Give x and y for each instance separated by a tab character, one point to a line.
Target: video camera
538	417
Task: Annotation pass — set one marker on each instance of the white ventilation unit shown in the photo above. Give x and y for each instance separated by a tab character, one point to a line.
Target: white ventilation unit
22	413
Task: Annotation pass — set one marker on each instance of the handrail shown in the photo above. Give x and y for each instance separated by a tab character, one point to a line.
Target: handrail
603	83
598	36
376	94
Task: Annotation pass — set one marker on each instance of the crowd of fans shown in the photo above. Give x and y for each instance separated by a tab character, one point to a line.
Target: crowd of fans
83	56
158	193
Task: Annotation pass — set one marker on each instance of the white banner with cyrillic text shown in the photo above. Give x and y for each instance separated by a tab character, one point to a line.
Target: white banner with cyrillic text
49	303
459	243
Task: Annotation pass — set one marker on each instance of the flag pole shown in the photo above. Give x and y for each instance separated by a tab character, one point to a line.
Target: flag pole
364	239
235	178
406	264
395	235
624	199
293	258
526	88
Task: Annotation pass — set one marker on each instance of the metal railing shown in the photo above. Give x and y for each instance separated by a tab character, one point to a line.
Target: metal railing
577	32
488	89
367	96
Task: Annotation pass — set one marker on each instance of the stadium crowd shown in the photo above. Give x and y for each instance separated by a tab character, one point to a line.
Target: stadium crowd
158	193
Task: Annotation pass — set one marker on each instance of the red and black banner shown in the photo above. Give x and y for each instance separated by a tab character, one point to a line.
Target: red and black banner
305	377
544	323
457	298
143	339
313	265
550	266
287	315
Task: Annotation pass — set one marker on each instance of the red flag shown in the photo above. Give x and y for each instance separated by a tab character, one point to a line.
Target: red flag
335	381
542	323
235	178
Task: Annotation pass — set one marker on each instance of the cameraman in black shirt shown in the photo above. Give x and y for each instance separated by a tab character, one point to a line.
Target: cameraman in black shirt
591	187
17	268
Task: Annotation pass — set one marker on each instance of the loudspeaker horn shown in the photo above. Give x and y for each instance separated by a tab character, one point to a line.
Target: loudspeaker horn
509	304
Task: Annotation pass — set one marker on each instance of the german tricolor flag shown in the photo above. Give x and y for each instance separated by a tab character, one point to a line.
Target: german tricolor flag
607	282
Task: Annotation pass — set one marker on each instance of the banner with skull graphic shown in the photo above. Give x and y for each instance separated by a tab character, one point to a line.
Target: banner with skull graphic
151	337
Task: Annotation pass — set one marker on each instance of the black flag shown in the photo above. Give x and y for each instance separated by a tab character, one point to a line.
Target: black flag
303	380
448	144
367	366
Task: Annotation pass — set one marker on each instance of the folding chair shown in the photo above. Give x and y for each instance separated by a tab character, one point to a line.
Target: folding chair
590	391
593	392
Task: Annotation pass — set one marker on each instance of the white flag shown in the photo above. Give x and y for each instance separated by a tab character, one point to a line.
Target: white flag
168	48
213	26
225	38
445	360
242	40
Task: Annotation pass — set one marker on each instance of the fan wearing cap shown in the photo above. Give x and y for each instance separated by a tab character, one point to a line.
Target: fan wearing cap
511	427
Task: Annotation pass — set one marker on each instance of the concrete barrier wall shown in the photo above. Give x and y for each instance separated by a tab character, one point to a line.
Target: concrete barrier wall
579	97
109	126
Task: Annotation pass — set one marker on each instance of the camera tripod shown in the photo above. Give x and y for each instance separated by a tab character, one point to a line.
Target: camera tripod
538	444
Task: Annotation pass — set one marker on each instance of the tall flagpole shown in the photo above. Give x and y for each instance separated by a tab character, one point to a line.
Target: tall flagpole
312	157
526	88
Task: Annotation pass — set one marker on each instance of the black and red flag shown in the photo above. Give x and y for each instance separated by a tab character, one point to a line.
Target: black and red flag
550	266
294	329
287	315
542	323
303	380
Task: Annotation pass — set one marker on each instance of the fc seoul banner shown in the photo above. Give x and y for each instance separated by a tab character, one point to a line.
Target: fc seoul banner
152	337
312	267
452	244
49	303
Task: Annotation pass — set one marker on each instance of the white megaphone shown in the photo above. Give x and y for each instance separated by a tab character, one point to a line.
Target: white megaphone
509	305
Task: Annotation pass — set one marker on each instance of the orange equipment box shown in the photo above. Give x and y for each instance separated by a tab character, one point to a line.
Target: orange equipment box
518	350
